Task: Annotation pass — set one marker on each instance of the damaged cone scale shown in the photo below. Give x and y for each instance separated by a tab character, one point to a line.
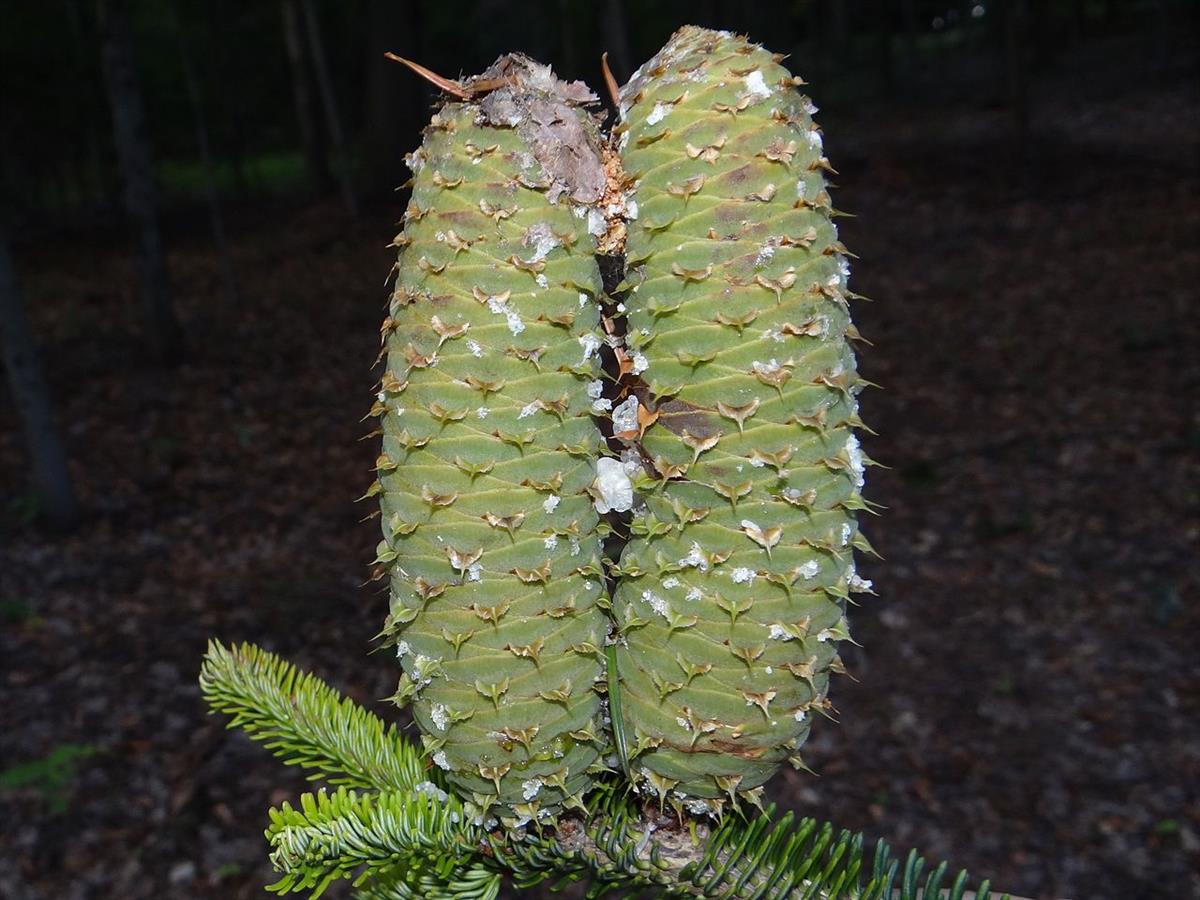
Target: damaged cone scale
707	418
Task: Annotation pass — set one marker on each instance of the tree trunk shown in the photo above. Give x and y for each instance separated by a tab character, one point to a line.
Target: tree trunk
137	171
196	101
89	155
333	118
51	477
316	153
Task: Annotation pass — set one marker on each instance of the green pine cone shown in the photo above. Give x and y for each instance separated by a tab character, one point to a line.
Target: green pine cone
490	536
732	593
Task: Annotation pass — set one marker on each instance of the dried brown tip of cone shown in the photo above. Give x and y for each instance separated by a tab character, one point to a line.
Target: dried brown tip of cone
609	82
440	81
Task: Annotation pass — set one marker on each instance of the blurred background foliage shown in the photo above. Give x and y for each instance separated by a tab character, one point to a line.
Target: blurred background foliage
59	162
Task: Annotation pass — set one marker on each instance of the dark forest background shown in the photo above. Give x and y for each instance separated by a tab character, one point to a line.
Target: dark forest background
195	199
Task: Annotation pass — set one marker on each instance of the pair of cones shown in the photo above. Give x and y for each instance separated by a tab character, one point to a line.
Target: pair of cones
711	395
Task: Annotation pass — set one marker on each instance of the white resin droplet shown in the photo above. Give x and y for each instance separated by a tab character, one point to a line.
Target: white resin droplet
614	489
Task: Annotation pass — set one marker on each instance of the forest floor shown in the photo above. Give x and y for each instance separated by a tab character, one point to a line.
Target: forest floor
1028	694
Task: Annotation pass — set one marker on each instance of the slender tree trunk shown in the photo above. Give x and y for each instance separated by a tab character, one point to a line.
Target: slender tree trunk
137	170
316	153
51	477
88	153
333	118
616	39
212	199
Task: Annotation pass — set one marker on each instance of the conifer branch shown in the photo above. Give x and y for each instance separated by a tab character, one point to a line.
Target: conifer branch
305	722
412	839
407	838
624	845
463	882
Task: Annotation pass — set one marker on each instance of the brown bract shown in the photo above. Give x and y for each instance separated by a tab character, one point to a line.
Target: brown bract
612	203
